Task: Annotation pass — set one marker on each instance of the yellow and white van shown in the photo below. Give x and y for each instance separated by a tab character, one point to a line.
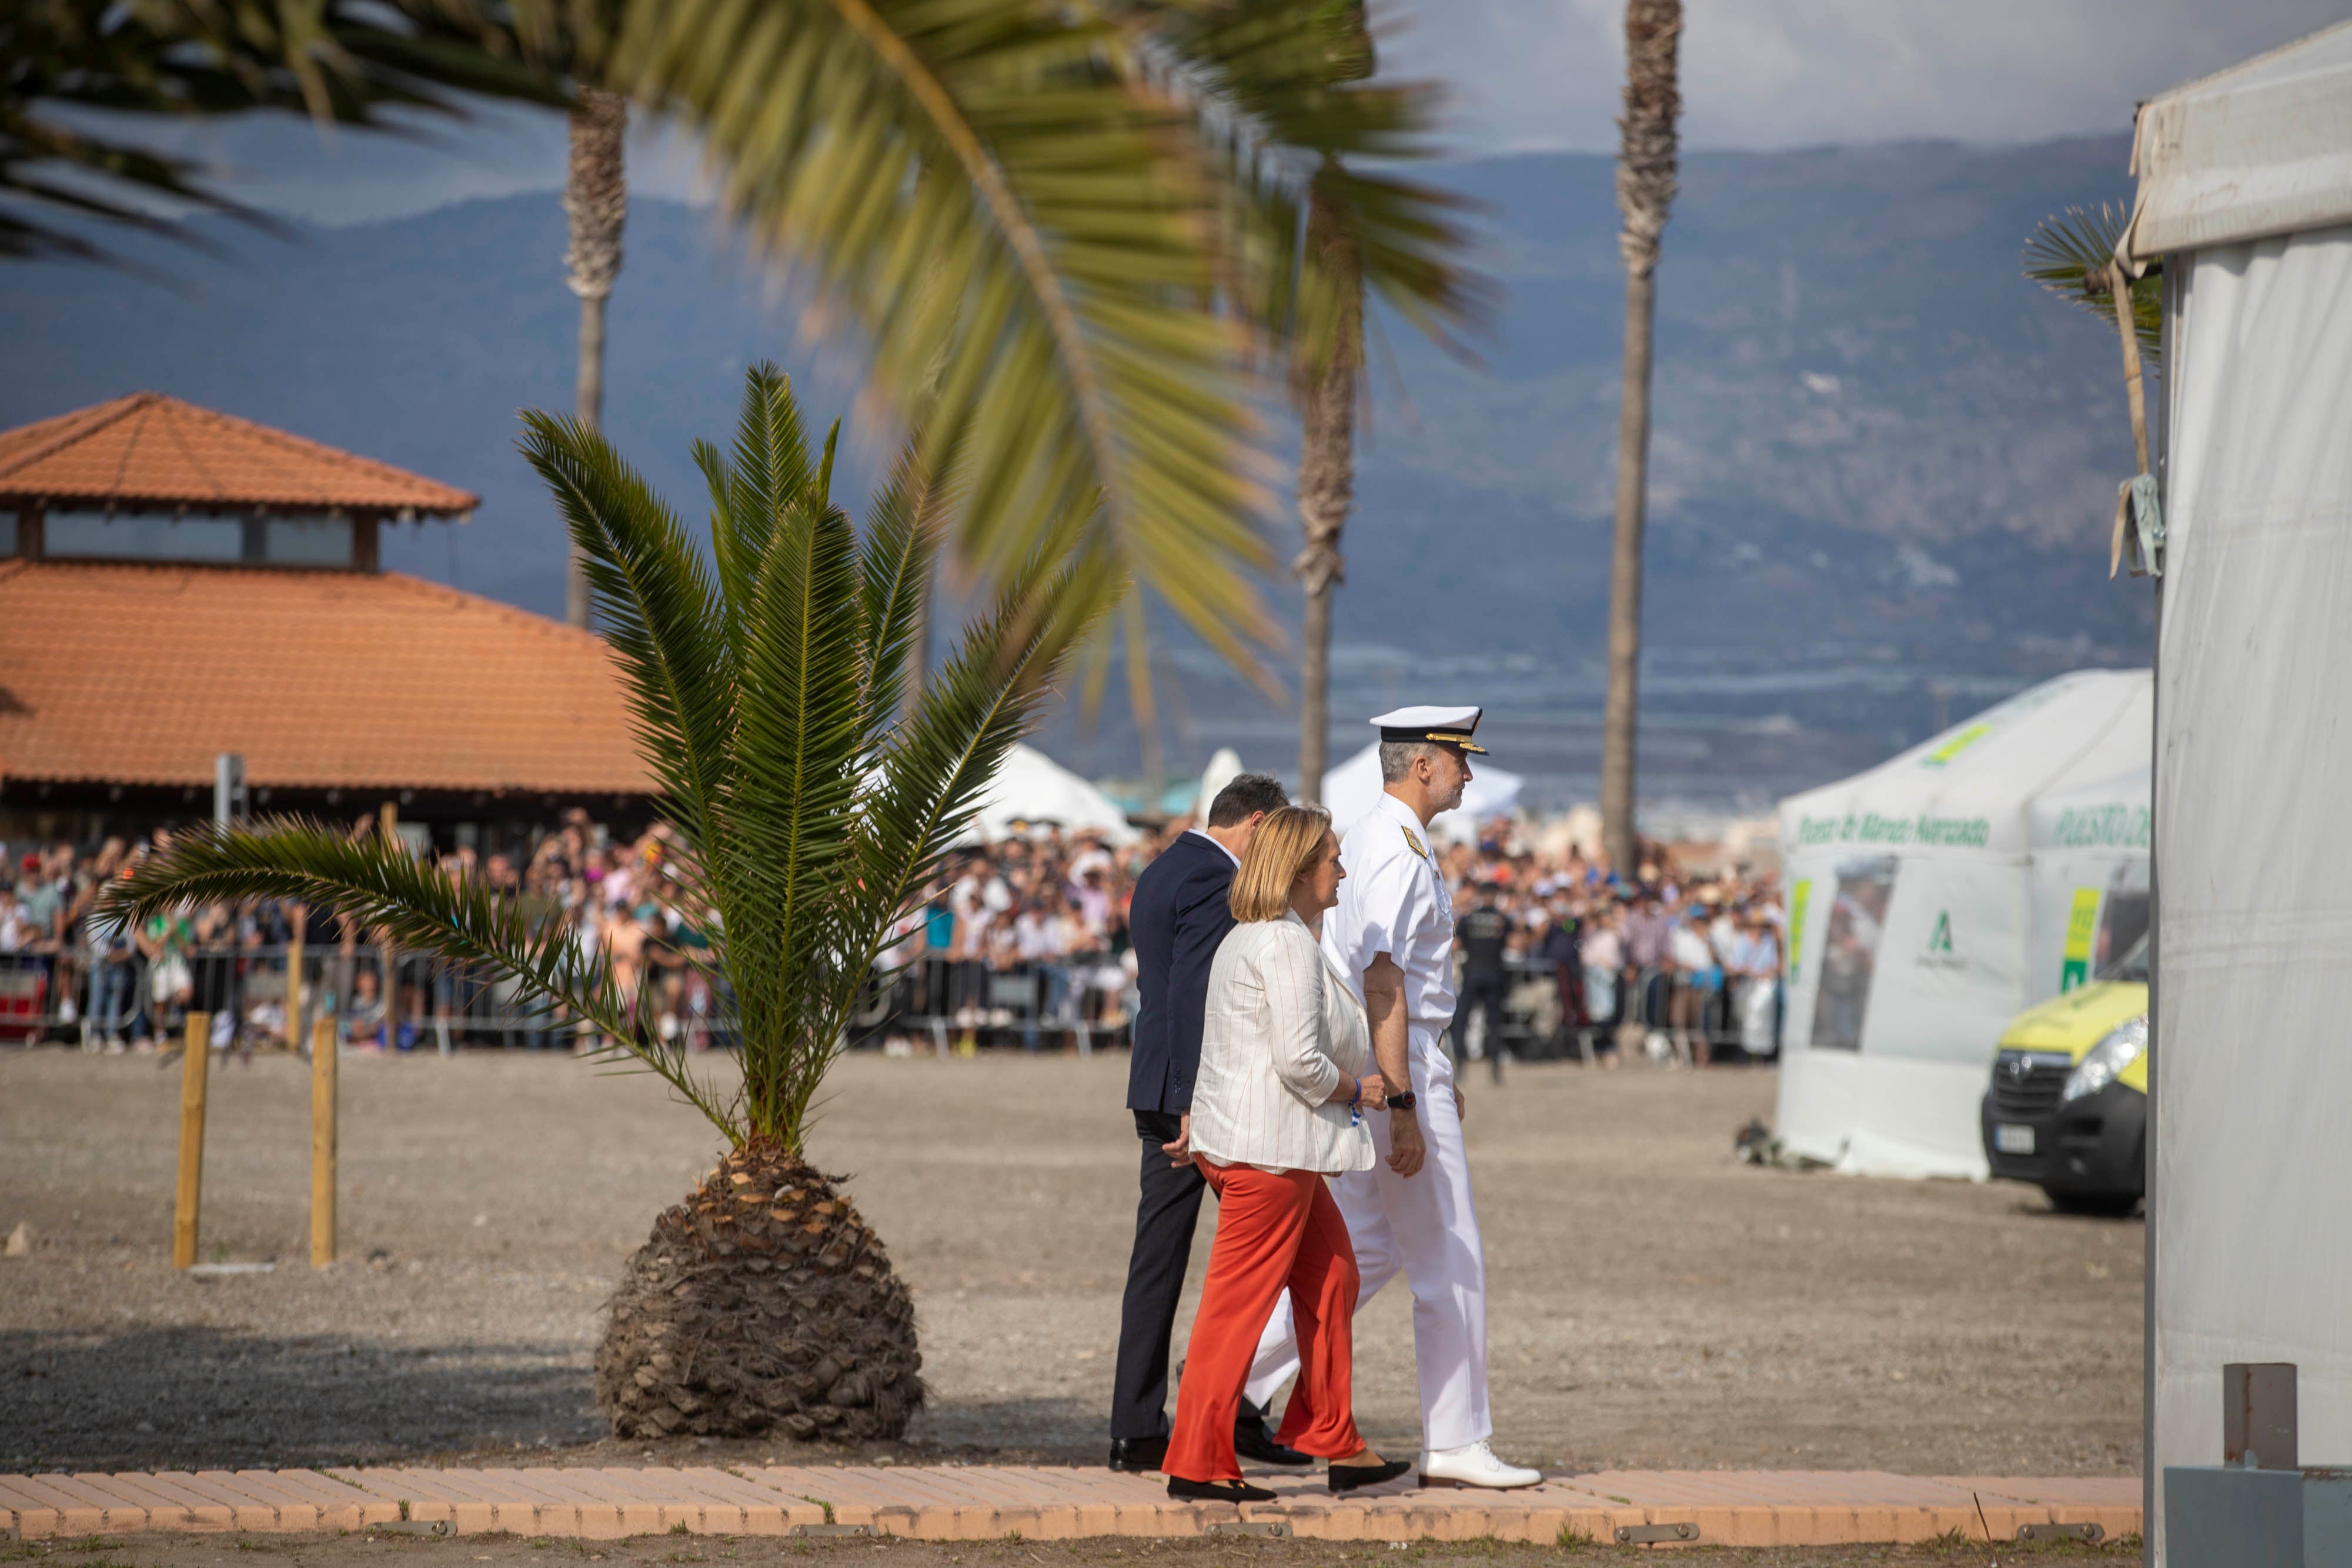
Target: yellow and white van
2068	1106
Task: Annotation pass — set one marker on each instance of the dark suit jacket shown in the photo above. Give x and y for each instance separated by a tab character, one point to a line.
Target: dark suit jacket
1176	920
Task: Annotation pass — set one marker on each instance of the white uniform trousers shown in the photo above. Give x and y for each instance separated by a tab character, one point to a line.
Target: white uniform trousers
1427	1225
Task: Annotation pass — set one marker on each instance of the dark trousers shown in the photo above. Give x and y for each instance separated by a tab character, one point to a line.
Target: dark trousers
1166	1211
1483	990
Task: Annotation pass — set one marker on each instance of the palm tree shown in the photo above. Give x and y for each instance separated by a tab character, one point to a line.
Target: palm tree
1325	394
596	205
1646	191
2072	255
1301	77
767	685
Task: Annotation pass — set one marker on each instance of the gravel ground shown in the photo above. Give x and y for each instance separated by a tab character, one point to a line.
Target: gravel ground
1654	1304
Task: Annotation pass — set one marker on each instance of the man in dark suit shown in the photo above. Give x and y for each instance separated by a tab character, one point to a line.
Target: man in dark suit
1176	919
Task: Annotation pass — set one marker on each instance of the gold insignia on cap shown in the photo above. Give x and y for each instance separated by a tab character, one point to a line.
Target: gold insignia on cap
1415	843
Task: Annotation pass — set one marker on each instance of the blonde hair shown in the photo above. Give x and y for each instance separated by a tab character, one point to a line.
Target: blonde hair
1281	851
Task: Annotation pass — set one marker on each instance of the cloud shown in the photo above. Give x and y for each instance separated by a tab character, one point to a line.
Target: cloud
1526	74
1757	74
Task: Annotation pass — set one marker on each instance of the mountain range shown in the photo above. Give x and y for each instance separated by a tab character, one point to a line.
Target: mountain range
1882	470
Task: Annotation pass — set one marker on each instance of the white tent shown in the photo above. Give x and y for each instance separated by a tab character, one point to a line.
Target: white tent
2245	190
1033	790
1914	932
2089	845
1350	790
1223	769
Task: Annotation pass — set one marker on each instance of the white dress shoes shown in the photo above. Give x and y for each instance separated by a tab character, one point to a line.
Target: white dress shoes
1474	1464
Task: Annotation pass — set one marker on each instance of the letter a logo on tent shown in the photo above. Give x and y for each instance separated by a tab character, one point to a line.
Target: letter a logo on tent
1941	939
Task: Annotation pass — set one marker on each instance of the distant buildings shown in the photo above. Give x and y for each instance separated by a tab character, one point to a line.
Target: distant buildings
175	583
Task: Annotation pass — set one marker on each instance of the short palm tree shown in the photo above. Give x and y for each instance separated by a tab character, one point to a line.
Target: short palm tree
813	800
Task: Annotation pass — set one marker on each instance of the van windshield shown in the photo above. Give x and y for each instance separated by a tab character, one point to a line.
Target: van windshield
2132	965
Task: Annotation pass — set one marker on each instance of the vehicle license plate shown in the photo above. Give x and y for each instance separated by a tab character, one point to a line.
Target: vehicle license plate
2013	1140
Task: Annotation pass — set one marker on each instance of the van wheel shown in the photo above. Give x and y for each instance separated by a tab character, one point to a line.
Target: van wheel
2096	1205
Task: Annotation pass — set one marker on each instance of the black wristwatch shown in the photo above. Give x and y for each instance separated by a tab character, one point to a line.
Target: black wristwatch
1404	1102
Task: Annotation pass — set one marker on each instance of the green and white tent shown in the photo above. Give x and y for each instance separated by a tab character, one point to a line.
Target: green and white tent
1935	897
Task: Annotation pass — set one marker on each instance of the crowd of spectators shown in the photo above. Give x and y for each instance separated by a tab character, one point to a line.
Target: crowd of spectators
1685	968
1020	942
66	971
1027	934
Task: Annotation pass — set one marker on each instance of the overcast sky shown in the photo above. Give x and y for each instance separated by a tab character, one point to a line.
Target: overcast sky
1524	75
1790	73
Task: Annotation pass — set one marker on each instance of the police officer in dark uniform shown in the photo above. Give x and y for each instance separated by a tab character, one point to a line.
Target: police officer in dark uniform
1481	935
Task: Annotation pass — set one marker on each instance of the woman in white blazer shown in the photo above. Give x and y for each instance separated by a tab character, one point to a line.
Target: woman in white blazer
1278	1104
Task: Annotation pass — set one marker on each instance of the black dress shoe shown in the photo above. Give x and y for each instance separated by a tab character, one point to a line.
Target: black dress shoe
1137	1454
1183	1491
1348	1478
1252	1441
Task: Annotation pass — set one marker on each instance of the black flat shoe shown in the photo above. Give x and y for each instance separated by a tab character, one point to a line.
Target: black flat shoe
1135	1455
1348	1478
1252	1441
1183	1491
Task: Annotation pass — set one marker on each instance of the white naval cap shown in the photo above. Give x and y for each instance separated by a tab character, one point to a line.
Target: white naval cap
1446	725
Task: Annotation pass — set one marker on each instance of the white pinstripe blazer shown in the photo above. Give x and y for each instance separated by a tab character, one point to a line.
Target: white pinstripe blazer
1281	1029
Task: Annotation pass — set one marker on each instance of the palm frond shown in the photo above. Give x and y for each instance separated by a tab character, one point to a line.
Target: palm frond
1025	241
379	885
344	61
903	522
931	775
2069	254
1287	96
659	610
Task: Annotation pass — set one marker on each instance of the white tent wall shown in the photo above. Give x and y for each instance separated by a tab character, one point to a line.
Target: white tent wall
1914	936
2251	1245
2245	191
2089	847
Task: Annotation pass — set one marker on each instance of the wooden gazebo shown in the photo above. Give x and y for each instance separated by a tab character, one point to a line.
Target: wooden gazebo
176	583
125	466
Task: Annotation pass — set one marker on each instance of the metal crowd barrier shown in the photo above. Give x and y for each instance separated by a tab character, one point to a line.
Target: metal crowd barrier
955	1005
942	1004
1536	1025
95	1000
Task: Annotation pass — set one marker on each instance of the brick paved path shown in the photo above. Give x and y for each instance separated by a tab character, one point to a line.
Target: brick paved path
1758	1508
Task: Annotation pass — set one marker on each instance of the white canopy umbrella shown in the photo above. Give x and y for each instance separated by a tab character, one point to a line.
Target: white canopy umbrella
1033	790
1350	790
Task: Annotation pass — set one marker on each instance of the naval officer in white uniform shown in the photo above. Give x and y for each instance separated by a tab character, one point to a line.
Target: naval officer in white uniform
1392	936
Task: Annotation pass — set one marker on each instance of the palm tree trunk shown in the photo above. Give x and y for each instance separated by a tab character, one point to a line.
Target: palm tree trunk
1617	725
1327	489
1645	193
596	202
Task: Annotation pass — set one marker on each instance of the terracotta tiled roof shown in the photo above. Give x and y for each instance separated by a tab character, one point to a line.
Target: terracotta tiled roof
150	449
134	673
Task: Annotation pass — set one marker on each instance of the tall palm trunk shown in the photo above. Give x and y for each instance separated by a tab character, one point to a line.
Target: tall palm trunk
1645	191
1326	484
596	201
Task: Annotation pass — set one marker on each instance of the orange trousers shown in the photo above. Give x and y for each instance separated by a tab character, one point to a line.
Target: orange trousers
1274	1229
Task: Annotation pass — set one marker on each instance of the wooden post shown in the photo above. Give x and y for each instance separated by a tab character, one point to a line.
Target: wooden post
196	1060
388	820
324	1054
294	980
